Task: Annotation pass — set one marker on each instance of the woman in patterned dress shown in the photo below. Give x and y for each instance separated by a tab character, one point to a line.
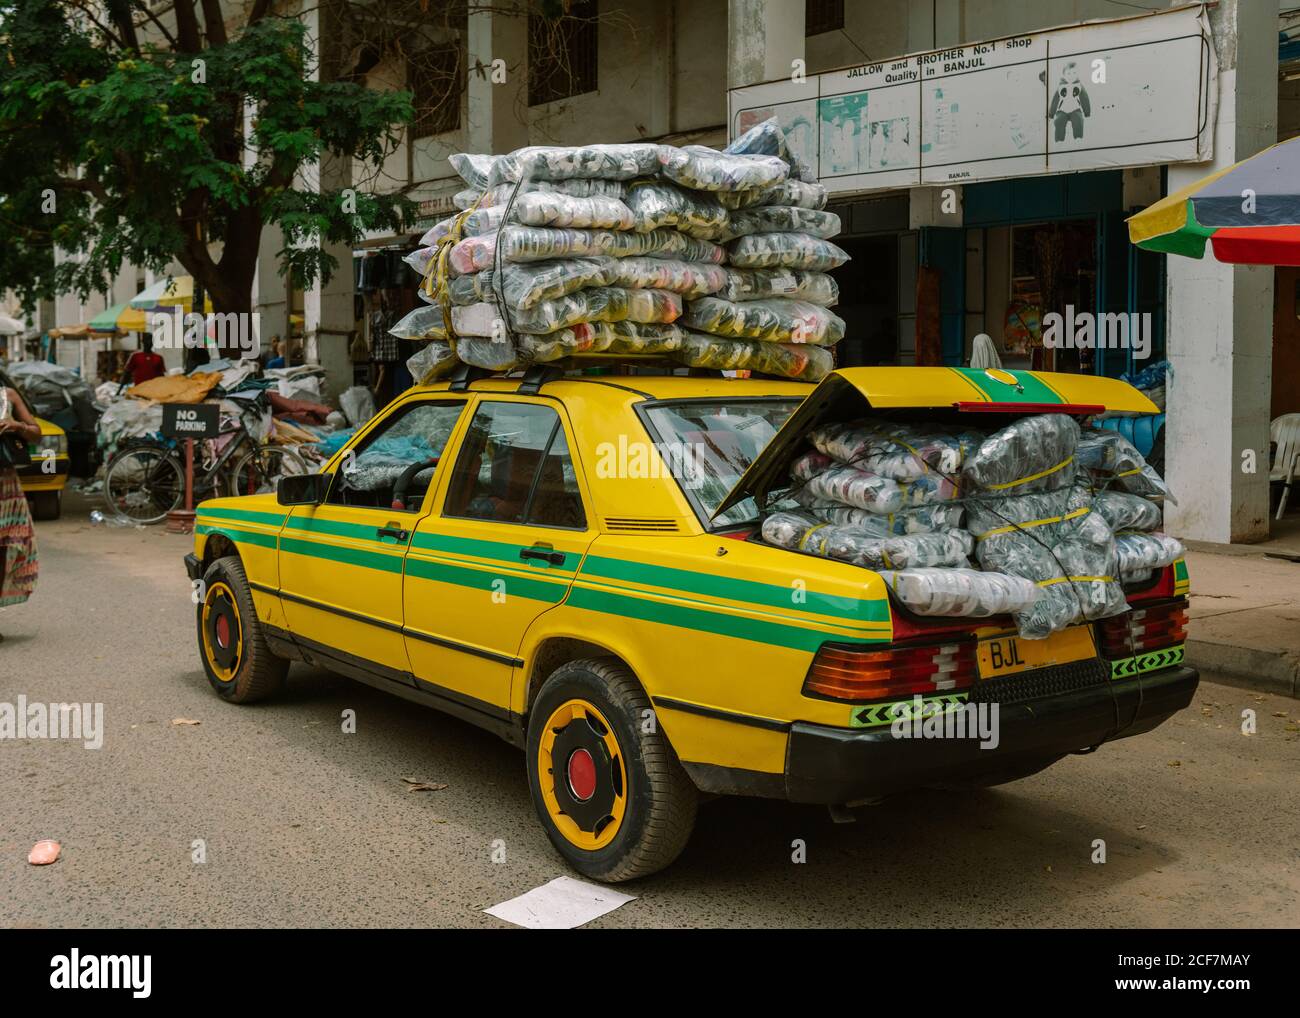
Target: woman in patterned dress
18	564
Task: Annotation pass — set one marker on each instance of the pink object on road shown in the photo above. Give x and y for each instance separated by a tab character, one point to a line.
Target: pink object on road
44	852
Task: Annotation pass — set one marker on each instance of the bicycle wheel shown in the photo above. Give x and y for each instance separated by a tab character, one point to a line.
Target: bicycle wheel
144	483
259	470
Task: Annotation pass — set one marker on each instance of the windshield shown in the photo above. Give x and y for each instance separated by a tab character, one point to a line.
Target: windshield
709	444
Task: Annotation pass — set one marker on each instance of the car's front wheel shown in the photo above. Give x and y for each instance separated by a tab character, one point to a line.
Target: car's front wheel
236	658
606	783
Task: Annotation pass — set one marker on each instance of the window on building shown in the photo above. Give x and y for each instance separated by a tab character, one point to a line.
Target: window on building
562	54
436	79
822	16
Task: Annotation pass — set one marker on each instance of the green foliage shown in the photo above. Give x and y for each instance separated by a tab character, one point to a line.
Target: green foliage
143	151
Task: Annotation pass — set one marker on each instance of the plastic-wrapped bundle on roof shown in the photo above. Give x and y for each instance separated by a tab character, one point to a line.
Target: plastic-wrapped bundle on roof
706	169
425	322
764	284
768	138
923	519
781	219
432	362
527	284
474	168
904	452
787	251
656	203
777	320
540	243
967	593
799	361
602	337
604	162
1123	511
499	195
1141	554
492	354
1031	454
1113	459
799	193
806	533
547	208
594	304
690	279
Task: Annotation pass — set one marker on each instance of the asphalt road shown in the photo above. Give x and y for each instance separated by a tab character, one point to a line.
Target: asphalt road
304	825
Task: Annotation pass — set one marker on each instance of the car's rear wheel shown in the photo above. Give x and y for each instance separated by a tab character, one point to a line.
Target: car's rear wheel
606	784
232	644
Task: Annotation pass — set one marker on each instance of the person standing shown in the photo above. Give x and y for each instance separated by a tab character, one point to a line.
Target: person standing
142	365
18	562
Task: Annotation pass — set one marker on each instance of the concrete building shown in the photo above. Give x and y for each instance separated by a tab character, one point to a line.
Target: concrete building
1215	323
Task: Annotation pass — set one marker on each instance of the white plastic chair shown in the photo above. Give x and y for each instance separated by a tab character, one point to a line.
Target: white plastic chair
1285	432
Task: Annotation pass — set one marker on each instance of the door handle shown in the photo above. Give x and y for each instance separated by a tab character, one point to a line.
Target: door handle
395	533
555	558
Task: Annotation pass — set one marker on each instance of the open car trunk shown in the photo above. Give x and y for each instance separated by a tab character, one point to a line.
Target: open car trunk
984	399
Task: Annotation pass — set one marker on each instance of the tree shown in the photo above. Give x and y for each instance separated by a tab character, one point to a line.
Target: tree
127	138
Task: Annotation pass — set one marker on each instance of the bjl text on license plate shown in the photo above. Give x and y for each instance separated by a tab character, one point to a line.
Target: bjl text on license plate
1006	655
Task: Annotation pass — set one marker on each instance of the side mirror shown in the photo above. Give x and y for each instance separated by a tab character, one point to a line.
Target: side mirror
302	489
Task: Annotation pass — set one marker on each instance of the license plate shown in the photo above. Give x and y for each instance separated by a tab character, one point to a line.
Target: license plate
1006	655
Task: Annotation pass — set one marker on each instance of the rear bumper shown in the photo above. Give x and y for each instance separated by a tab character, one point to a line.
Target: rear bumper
839	765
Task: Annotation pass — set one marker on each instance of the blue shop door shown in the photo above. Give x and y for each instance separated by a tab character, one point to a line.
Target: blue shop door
944	248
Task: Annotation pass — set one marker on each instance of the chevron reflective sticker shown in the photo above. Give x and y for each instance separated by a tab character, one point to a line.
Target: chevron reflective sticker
1126	668
873	714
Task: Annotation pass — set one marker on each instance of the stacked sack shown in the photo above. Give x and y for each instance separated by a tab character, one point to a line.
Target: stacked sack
619	249
1129	495
885	495
1055	521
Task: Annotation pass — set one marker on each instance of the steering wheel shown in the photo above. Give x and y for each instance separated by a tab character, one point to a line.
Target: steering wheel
404	481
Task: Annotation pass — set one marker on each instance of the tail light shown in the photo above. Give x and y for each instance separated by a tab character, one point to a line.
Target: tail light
854	673
1151	627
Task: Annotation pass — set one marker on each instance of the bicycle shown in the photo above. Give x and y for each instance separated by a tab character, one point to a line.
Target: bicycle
145	480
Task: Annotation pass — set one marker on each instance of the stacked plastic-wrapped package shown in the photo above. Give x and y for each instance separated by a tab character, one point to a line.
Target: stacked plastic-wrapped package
620	249
1055	521
885	495
1131	503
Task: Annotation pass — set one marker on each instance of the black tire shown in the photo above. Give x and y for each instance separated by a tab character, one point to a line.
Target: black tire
658	800
46	505
1013	771
242	670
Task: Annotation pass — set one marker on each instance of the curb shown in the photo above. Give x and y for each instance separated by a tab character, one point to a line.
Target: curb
1269	672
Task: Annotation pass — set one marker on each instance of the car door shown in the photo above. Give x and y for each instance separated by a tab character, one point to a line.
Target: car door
341	561
502	549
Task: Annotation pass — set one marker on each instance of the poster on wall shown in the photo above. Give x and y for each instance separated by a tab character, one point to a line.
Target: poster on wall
1099	95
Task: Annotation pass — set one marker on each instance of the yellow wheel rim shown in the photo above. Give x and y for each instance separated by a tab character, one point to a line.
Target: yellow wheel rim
582	775
223	633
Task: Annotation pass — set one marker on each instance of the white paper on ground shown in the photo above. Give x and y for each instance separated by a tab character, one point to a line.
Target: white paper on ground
563	904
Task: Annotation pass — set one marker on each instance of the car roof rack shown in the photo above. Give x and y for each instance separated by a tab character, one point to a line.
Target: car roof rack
538	375
464	374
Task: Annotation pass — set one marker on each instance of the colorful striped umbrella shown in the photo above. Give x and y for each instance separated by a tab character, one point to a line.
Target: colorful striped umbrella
1250	212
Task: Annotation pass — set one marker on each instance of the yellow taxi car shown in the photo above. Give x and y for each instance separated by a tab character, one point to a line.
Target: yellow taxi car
43	481
564	561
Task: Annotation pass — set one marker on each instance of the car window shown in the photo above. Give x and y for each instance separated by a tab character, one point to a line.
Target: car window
708	444
514	467
414	436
